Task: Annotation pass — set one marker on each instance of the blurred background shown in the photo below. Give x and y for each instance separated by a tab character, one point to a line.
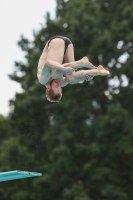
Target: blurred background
82	145
18	18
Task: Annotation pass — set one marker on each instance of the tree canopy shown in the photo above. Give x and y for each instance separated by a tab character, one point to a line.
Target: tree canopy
82	145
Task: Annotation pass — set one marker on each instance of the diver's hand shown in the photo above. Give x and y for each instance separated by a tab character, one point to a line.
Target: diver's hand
69	70
89	77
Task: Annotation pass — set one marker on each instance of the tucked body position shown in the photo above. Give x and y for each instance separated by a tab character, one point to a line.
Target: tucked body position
57	67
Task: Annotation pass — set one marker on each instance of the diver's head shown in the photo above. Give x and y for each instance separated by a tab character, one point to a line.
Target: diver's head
54	91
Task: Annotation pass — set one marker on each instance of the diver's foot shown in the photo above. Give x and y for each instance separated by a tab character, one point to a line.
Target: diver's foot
87	63
102	71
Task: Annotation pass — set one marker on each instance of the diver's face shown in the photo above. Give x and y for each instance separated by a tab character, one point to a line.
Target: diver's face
55	86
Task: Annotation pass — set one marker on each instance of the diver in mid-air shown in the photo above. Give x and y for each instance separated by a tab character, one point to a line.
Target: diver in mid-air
57	67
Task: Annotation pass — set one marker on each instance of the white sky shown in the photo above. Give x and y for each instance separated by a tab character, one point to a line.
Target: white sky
17	17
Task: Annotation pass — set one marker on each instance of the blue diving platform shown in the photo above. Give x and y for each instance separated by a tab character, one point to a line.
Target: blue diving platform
17	174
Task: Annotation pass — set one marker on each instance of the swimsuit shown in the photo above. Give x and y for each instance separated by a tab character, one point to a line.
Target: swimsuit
66	40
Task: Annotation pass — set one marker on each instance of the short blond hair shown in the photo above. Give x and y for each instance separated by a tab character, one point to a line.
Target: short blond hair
52	97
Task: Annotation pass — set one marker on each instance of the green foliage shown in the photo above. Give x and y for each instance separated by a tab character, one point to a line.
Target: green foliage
82	145
4	128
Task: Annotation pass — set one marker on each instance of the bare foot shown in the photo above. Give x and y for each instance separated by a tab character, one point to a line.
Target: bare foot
87	63
102	71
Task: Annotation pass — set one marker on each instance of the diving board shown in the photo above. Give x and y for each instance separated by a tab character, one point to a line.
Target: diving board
17	174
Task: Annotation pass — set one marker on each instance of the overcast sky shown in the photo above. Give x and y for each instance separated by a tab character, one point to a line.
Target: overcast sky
17	17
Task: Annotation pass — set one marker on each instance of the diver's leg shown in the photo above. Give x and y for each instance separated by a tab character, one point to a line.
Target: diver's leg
69	60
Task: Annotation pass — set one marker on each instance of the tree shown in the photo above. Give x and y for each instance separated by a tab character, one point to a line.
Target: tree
82	145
